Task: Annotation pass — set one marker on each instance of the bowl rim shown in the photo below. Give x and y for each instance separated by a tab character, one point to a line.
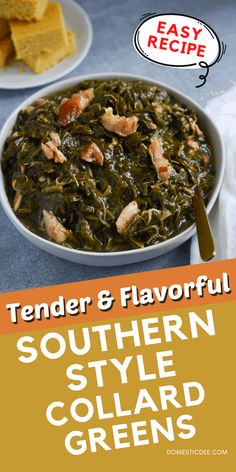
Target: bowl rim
66	83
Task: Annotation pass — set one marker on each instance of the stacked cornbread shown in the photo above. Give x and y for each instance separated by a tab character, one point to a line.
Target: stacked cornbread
38	33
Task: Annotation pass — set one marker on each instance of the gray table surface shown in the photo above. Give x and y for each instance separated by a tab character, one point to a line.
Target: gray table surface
21	264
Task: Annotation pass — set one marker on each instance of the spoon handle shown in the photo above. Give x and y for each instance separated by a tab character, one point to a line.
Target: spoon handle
205	238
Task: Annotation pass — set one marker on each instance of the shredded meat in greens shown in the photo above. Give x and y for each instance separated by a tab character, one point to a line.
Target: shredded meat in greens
72	176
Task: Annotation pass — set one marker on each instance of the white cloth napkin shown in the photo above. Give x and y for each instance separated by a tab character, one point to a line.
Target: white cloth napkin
223	216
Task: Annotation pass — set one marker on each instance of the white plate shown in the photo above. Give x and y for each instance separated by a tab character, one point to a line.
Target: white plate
77	20
119	257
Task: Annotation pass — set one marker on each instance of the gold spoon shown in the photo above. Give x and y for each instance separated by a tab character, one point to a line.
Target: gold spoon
204	233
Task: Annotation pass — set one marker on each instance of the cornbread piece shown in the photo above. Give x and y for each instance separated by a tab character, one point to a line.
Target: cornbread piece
36	37
6	50
4	28
26	10
48	58
71	48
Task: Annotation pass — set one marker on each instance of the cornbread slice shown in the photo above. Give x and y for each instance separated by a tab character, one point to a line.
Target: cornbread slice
26	10
6	50
46	59
4	28
35	37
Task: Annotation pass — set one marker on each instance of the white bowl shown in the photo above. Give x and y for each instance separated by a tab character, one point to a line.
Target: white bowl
120	257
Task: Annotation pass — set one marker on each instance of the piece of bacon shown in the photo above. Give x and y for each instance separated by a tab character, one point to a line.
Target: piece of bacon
57	109
205	159
51	150
92	153
192	143
196	129
126	217
151	125
52	153
158	108
40	101
120	125
29	109
160	163
54	228
70	108
55	138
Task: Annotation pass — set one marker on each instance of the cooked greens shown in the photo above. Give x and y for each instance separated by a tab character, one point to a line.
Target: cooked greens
70	175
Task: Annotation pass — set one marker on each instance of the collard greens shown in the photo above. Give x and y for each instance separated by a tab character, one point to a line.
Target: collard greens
87	198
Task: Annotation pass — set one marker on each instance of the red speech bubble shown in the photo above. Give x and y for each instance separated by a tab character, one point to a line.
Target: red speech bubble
176	40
